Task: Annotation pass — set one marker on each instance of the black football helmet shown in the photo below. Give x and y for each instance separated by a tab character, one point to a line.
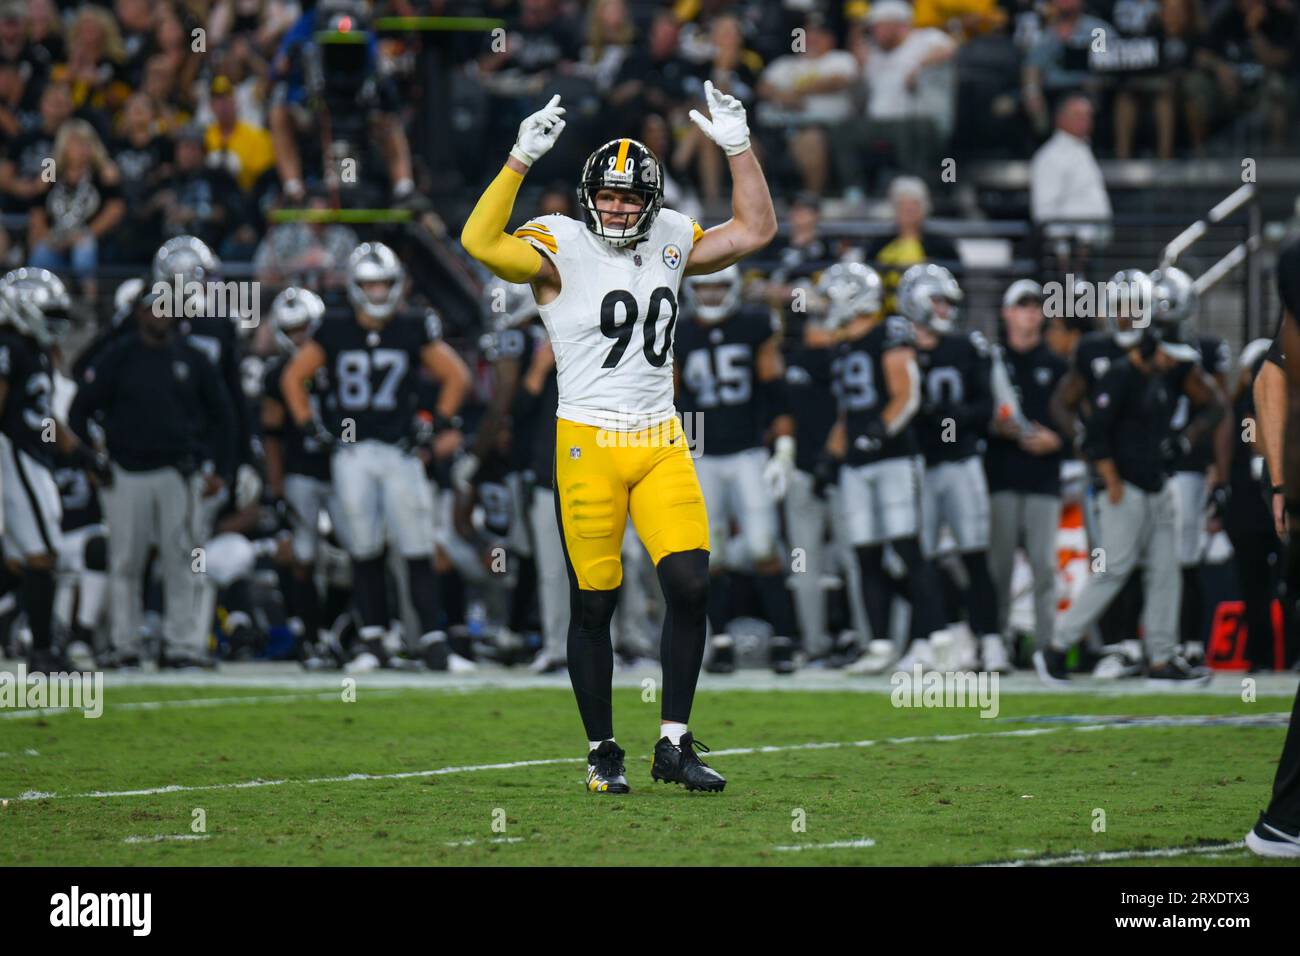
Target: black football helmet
622	164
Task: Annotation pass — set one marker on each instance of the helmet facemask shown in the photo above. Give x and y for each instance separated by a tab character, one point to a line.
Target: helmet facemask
639	173
370	263
848	290
1131	292
929	295
712	298
295	309
41	307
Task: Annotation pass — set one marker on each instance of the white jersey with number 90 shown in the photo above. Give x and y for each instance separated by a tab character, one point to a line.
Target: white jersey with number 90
612	324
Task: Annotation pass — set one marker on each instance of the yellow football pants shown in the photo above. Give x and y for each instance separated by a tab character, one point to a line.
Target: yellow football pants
603	476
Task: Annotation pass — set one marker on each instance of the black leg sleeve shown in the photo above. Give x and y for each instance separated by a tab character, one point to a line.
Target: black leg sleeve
424	593
684	577
370	592
876	593
981	600
720	602
1191	614
591	658
38	602
924	592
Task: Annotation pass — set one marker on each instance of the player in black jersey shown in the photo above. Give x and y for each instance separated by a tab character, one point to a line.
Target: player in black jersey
1023	461
729	376
1071	404
31	437
878	386
379	435
810	519
1194	467
1132	446
533	409
952	427
188	274
1096	352
514	333
81	589
298	467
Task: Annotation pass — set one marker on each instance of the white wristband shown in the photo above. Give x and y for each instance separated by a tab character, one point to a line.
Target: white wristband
520	155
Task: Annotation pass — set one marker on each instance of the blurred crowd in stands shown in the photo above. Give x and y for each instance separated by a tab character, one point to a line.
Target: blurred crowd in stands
125	123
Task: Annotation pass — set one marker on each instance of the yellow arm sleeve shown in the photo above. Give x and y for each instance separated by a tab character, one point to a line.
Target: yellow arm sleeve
485	238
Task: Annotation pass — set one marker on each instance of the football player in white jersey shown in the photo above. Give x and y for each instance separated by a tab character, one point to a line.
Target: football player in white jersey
607	290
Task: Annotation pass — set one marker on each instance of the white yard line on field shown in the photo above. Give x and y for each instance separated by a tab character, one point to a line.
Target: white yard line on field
554	761
861	844
164	837
1107	856
195	702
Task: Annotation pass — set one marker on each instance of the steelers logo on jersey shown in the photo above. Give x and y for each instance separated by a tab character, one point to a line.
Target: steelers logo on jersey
672	255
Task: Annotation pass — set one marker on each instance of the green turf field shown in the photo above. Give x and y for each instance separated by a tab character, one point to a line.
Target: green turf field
1013	790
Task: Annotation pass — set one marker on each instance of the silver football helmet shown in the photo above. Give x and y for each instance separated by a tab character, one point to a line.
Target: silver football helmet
1174	306
849	289
1132	295
374	262
508	304
1174	298
40	302
712	298
188	257
125	298
293	309
928	295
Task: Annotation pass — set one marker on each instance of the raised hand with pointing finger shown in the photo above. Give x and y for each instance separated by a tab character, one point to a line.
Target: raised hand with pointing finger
538	133
726	124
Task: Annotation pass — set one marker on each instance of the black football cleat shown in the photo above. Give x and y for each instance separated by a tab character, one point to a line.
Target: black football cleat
1051	667
170	661
1176	672
681	764
49	661
605	769
780	654
723	659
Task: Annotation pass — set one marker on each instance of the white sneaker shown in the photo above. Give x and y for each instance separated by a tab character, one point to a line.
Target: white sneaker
460	665
919	653
1273	842
943	650
964	655
878	657
544	663
363	663
994	653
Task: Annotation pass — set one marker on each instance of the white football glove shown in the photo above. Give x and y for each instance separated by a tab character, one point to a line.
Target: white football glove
538	133
248	486
776	473
726	125
463	470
